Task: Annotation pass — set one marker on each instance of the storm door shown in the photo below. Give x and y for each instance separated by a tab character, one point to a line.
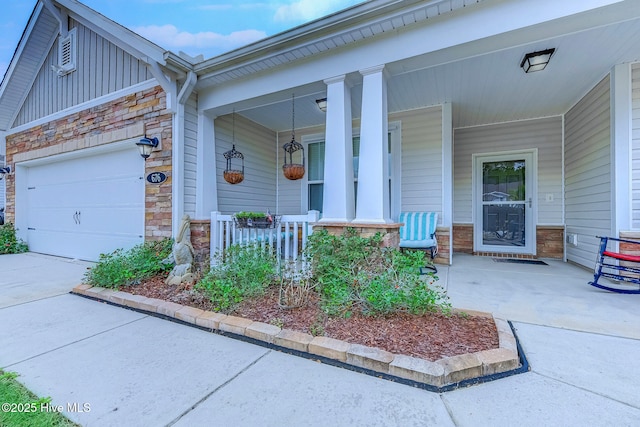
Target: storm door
504	203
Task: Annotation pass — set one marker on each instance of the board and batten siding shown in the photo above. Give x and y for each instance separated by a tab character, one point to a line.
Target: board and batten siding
190	153
421	169
101	68
635	147
257	192
544	134
588	172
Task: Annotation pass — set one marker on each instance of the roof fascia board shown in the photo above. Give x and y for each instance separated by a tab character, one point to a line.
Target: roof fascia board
113	32
447	32
519	14
21	45
35	76
303	33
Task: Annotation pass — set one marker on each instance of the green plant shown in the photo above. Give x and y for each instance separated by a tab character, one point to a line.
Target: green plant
354	272
125	268
240	271
9	242
20	407
246	214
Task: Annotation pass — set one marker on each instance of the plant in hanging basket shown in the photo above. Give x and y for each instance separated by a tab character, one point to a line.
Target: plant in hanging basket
233	176
293	171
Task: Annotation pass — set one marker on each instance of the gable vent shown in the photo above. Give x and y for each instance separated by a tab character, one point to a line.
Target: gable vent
66	54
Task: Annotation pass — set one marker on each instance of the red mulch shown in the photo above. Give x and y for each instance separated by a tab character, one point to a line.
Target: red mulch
431	336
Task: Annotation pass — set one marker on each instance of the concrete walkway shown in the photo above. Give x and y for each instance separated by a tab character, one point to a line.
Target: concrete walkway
136	370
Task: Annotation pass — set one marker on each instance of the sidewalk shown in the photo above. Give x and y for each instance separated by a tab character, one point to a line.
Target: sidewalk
136	370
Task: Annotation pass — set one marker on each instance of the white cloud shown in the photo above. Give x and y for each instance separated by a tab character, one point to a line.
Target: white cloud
307	10
207	42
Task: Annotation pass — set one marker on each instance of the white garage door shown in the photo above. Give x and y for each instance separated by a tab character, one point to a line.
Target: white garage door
82	207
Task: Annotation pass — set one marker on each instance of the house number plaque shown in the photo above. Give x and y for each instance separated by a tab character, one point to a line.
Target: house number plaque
156	178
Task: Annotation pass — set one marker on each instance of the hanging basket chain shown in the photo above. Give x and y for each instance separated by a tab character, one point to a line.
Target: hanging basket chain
231	175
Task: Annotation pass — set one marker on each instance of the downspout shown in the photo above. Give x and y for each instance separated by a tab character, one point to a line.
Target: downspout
177	152
60	15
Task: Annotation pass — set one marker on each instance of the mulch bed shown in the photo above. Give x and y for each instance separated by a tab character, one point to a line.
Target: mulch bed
431	336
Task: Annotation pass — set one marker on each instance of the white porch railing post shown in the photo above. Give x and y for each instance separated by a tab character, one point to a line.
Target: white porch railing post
213	244
285	237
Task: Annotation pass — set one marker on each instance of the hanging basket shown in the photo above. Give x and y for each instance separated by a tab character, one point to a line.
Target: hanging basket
293	171
233	176
257	222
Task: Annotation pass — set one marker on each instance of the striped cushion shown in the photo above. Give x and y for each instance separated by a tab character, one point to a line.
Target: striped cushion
418	229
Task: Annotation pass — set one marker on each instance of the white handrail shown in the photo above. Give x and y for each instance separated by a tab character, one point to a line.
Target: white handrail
285	236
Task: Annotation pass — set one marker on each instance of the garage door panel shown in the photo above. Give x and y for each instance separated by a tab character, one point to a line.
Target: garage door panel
85	206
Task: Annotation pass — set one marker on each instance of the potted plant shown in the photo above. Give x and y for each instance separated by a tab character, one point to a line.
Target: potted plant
246	219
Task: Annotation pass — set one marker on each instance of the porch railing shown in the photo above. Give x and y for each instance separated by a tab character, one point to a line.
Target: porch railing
289	238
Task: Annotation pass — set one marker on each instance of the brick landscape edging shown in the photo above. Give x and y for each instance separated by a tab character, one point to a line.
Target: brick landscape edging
441	375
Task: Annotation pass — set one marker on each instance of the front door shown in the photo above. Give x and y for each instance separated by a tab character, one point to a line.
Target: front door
504	203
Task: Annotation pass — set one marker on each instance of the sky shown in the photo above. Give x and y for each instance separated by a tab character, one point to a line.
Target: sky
208	27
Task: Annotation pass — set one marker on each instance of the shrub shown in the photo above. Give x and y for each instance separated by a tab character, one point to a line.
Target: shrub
9	243
357	273
125	268
240	271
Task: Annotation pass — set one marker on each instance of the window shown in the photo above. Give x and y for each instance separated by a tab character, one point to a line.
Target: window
66	54
315	164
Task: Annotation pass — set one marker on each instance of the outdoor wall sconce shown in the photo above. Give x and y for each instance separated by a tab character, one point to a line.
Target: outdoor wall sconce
146	146
322	104
4	171
536	61
234	173
292	170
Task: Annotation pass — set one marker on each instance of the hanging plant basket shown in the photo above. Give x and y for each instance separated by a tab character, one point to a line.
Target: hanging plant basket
233	176
293	171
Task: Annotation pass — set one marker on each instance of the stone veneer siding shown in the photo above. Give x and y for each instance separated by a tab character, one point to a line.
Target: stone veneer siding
201	241
549	242
128	117
391	235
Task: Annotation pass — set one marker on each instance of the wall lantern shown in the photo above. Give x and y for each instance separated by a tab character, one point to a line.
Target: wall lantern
234	171
4	171
536	61
322	104
293	170
146	146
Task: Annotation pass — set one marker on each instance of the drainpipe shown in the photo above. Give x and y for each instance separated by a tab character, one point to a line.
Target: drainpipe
177	152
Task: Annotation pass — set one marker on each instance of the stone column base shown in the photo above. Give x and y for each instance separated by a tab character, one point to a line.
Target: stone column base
390	232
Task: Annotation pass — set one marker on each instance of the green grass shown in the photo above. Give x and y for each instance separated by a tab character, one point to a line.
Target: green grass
19	407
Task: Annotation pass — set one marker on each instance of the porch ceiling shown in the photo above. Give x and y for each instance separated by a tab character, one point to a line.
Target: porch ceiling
483	80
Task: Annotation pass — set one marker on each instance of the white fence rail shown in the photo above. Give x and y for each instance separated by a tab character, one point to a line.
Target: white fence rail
290	237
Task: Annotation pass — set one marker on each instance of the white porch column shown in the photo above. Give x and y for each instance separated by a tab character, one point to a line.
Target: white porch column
621	142
338	193
373	169
206	184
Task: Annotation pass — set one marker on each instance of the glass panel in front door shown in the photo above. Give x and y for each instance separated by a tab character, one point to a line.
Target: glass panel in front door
503	203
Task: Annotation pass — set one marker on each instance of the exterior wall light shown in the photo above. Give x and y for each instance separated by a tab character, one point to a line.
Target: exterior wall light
4	171
536	61
322	104
146	146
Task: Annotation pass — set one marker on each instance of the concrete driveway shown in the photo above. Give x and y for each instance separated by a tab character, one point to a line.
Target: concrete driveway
135	370
28	277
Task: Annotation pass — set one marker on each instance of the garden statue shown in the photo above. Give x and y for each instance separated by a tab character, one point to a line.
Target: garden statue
182	255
